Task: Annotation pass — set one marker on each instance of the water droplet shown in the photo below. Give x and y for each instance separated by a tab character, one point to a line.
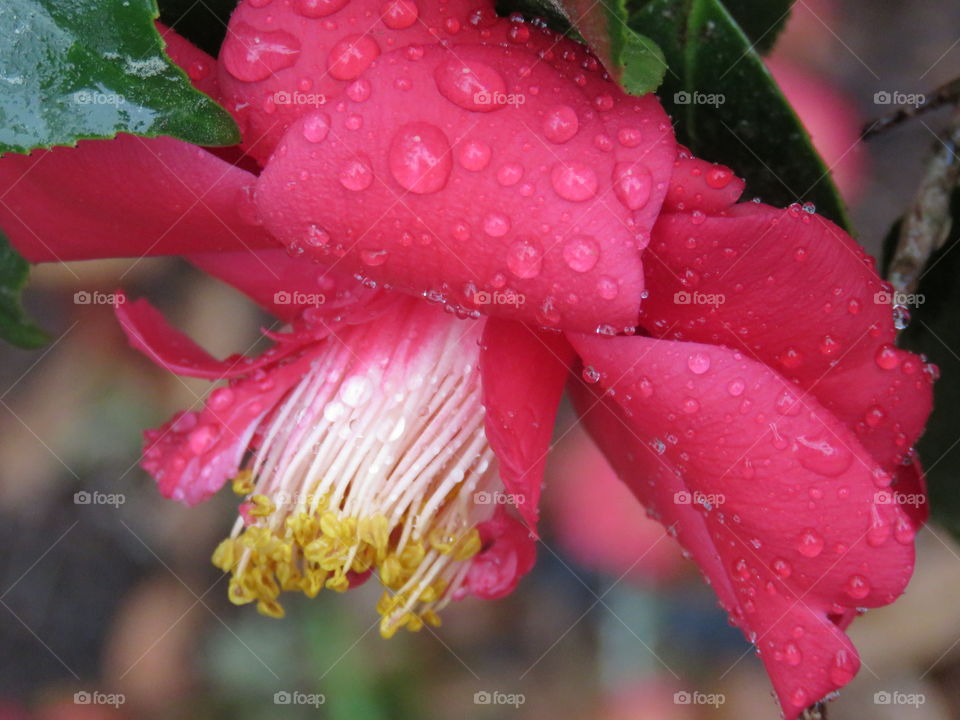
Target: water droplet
629	137
471	85
632	184
607	288
496	225
419	158
316	126
591	374
782	568
857	587
887	357
581	253
792	655
575	181
791	358
560	124
810	544
475	155
399	14
843	668
352	55
690	406
359	90
319	8
822	456
698	363
251	55
736	387
718	177
356	175
509	174
524	258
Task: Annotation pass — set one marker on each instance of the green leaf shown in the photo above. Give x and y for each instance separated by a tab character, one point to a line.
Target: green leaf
15	327
202	23
728	107
760	20
934	330
77	69
633	60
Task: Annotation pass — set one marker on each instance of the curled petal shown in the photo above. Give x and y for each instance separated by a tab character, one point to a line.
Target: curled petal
126	197
523	372
792	290
509	552
700	186
794	526
519	203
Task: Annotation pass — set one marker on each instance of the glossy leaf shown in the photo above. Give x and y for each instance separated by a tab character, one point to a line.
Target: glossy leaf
728	108
78	69
633	60
15	327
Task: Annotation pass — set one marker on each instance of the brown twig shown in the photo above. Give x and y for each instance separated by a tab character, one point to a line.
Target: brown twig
926	224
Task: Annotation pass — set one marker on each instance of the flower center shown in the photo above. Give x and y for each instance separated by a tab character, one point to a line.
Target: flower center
370	465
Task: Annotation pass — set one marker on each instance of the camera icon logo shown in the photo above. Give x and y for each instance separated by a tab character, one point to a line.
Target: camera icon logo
82	697
682	697
282	697
682	97
482	697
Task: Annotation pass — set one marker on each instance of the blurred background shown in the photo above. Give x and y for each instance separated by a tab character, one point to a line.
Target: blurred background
613	623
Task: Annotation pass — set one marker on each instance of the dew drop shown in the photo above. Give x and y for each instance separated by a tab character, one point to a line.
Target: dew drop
419	158
560	124
575	181
352	55
581	253
524	259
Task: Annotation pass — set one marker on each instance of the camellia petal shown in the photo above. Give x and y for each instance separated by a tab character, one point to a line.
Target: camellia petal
524	372
795	528
794	291
126	197
463	206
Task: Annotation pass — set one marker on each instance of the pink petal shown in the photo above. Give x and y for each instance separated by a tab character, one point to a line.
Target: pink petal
150	333
467	207
793	530
283	285
523	373
700	186
509	552
126	197
795	292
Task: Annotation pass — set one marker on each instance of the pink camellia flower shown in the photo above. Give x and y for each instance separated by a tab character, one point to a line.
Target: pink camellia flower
737	360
